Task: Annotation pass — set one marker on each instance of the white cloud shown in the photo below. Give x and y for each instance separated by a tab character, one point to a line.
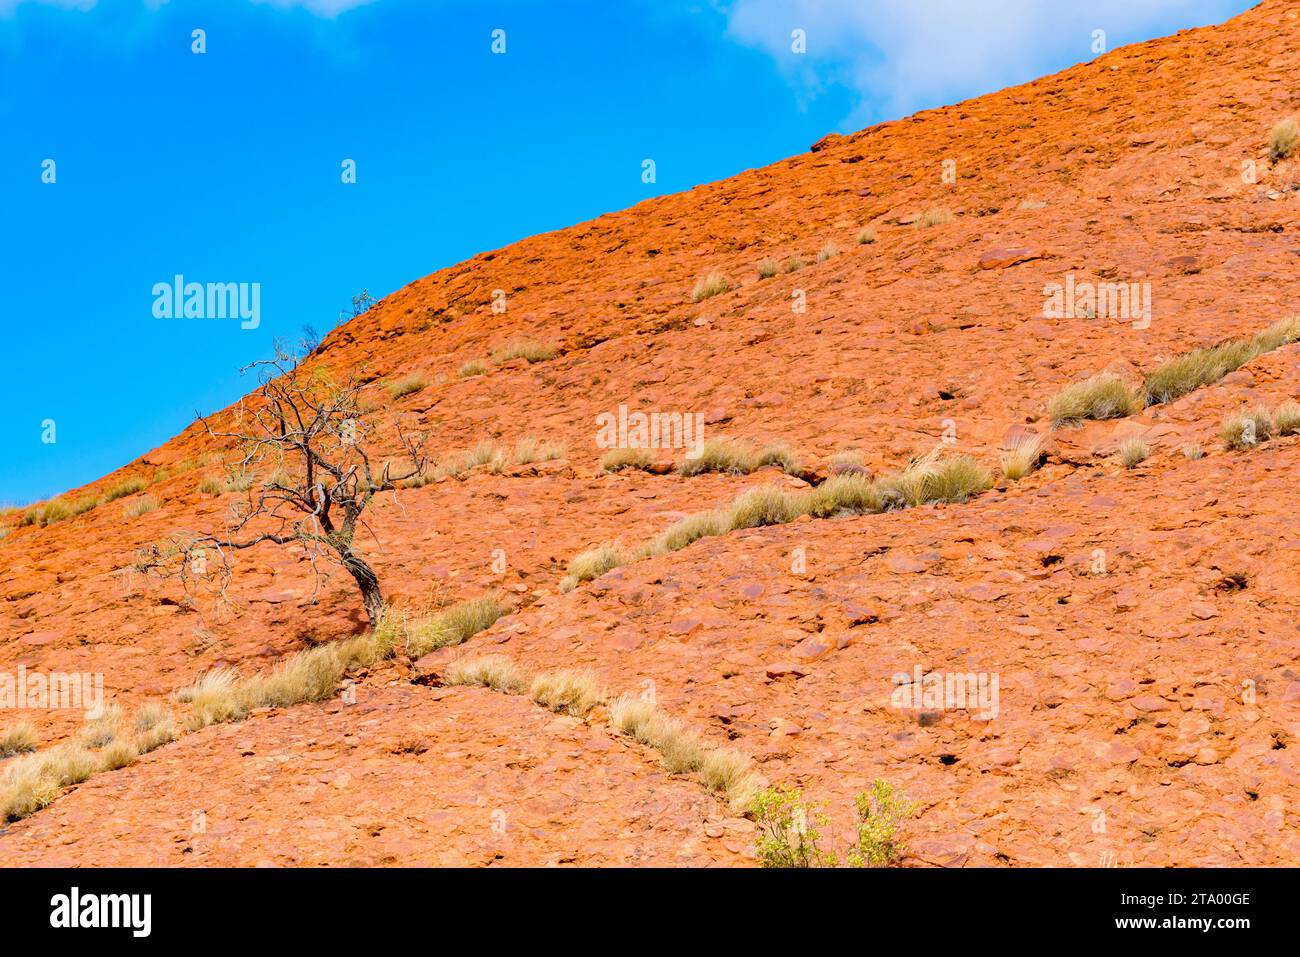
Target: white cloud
905	56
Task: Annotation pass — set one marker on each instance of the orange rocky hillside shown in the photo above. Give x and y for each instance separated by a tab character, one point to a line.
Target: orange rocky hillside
1140	622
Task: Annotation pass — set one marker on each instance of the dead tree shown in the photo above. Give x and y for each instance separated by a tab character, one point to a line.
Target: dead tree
304	459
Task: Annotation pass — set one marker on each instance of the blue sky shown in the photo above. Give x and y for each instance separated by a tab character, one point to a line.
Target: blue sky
225	166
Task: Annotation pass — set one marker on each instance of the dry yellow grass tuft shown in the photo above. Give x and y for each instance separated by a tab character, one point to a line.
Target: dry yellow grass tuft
55	510
572	692
1282	140
727	772
685	531
768	268
1199	367
530	349
492	671
453	625
933	478
161	731
18	738
866	236
407	385
720	455
1133	452
1286	418
769	505
1022	457
847	462
723	771
117	755
142	506
212	699
713	284
32	781
616	460
311	675
779	455
472	368
1246	429
1103	396
102	729
845	494
529	449
124	487
592	563
934	217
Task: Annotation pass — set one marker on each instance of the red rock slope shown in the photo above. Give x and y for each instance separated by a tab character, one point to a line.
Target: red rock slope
1123	733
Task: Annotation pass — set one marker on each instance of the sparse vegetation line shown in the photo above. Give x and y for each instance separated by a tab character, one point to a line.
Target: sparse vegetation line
928	479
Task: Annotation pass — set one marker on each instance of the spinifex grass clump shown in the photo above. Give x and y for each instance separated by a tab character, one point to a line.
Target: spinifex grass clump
1246	429
572	692
1023	457
713	284
593	563
1200	367
491	671
1133	452
529	349
616	460
931	479
1103	396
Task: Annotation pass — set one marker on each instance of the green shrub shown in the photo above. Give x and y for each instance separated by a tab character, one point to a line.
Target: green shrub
879	813
789	830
